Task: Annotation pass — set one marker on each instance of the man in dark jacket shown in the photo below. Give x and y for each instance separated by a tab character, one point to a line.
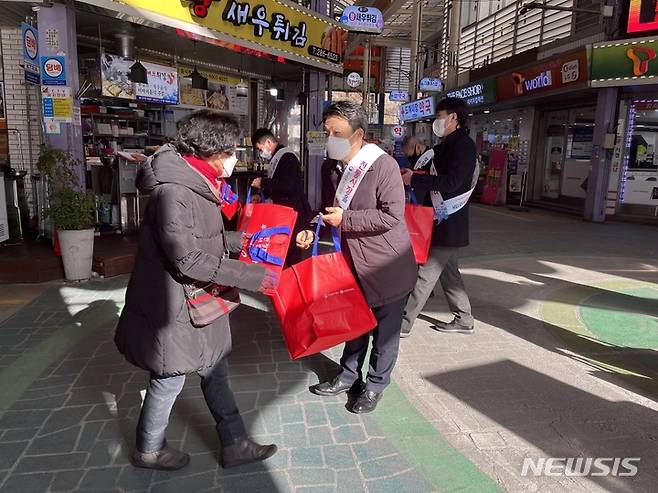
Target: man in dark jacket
451	174
370	214
183	244
284	183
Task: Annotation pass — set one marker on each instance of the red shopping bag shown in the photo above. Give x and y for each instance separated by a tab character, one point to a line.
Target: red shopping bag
420	223
320	304
247	210
270	228
230	202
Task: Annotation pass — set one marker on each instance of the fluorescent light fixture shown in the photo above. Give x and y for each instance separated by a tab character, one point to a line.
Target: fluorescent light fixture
274	92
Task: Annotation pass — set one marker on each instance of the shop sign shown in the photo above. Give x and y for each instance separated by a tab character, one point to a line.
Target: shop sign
278	26
162	86
57	103
399	96
476	94
398	132
53	70
429	84
222	93
30	53
422	109
565	71
363	19
642	17
353	79
623	63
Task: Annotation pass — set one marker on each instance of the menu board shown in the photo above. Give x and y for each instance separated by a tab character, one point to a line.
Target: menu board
162	86
221	94
418	110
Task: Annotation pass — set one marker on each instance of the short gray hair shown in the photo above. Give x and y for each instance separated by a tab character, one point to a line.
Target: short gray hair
350	111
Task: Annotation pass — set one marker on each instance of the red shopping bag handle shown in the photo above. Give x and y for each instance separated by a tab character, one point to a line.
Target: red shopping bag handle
248	199
334	235
412	197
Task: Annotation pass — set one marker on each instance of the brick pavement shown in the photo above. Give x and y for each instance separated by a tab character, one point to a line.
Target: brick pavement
462	414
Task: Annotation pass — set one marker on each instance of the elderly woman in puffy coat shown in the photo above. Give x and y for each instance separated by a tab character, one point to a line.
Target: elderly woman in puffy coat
183	244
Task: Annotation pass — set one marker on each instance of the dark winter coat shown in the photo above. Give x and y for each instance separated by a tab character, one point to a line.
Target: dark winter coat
182	239
286	187
376	235
455	161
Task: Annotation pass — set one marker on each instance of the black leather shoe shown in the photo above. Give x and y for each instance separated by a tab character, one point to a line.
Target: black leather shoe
454	327
335	387
367	402
245	451
166	459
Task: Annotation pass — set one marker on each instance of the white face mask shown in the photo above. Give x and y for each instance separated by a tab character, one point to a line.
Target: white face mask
229	164
439	127
338	148
266	155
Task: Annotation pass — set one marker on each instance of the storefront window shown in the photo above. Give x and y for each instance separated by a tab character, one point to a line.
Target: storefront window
639	182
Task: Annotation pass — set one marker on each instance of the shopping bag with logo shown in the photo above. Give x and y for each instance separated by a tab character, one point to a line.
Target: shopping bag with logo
230	202
269	231
319	303
420	223
247	211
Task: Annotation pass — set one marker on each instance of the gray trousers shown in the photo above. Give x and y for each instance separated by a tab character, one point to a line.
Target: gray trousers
161	395
442	265
385	347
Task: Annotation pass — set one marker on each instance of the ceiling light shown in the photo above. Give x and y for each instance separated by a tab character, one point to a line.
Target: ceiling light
138	73
242	89
273	91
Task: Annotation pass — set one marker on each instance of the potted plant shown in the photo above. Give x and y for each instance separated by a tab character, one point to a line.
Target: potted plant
70	210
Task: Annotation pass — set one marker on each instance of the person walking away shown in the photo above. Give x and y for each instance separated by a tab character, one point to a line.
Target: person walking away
284	183
449	177
369	210
182	245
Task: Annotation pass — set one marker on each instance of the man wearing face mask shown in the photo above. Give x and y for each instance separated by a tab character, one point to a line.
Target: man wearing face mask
417	153
447	183
284	183
369	211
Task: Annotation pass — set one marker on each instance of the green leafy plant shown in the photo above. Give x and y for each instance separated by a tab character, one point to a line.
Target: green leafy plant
70	207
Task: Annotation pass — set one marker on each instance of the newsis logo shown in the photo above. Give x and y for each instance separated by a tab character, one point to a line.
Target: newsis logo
580	466
640	57
523	85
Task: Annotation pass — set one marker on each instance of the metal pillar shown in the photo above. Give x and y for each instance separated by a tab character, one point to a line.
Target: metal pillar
57	36
366	75
453	43
416	16
599	176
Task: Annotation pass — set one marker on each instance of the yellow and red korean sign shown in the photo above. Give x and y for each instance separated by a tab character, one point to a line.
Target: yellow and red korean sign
275	26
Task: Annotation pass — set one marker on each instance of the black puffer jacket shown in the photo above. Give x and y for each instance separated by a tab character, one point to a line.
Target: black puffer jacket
181	239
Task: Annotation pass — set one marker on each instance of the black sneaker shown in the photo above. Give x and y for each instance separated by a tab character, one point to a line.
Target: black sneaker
454	327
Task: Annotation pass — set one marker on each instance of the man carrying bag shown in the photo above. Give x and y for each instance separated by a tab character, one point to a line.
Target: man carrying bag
374	238
447	181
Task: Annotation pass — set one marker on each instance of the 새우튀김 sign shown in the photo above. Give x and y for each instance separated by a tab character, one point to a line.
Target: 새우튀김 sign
363	19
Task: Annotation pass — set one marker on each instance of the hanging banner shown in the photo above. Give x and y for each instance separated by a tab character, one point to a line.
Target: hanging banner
399	96
222	93
275	26
422	109
162	86
115	77
429	84
30	37
367	20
